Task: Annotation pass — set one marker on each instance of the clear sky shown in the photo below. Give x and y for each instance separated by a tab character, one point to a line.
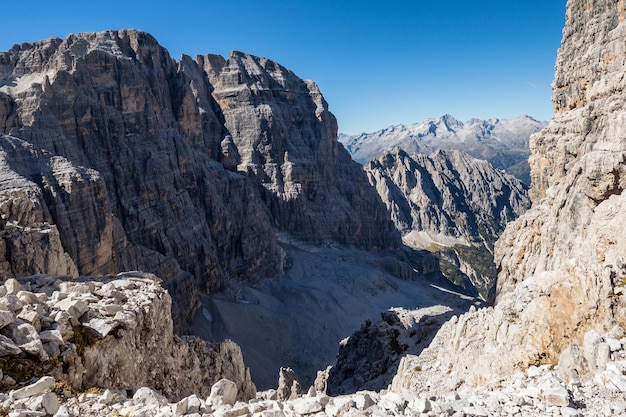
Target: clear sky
377	63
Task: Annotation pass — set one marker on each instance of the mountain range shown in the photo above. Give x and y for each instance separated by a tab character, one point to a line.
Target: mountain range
502	142
223	180
450	204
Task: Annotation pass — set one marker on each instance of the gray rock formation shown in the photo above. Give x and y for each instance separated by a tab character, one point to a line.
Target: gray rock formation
504	143
451	203
562	264
286	139
111	161
369	358
288	385
109	332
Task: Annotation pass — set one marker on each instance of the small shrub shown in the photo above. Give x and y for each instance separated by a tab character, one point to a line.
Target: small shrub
417	368
94	390
82	338
62	387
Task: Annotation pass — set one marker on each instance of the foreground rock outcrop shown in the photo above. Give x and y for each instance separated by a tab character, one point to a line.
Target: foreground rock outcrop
115	157
562	264
107	332
451	203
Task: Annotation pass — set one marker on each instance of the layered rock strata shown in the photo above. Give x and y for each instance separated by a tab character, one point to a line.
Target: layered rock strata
108	332
562	264
449	200
116	157
283	135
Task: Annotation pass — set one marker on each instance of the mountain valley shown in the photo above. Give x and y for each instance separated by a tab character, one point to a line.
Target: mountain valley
189	238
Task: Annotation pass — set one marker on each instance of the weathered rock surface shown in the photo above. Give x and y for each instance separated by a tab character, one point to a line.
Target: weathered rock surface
504	143
285	137
103	163
450	200
111	332
562	263
115	157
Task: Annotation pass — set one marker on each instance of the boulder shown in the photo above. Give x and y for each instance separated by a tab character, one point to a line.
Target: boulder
40	387
13	286
10	302
8	347
74	307
6	318
223	392
149	397
26	337
552	392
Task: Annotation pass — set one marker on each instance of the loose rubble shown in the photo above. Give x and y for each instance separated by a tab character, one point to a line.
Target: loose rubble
59	341
537	392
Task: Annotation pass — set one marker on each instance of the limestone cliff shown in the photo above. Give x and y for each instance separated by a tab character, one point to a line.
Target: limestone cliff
116	157
562	264
451	203
283	135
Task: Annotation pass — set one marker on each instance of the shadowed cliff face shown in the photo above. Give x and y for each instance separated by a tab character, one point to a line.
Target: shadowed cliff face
123	152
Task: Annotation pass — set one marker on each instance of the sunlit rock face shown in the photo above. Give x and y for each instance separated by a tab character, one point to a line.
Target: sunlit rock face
451	203
286	138
116	157
562	264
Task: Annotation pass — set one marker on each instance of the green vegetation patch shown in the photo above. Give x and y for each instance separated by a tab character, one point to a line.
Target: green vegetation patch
82	338
479	258
22	370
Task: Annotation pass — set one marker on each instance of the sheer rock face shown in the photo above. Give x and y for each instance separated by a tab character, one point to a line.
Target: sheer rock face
285	138
128	159
562	264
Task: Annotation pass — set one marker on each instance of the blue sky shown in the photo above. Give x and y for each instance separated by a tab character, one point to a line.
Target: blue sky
377	63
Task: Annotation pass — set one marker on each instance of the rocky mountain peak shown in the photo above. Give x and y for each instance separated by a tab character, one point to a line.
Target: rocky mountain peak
502	142
449	122
183	169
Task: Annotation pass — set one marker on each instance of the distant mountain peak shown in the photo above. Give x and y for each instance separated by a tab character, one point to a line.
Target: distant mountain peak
502	142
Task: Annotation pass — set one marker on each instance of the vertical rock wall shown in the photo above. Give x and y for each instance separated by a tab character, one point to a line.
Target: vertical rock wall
562	264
